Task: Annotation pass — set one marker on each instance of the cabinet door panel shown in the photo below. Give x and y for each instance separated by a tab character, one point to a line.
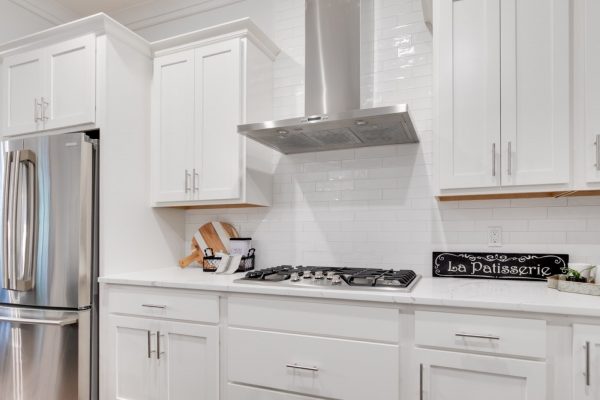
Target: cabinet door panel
173	114
133	371
21	89
592	88
189	361
586	362
449	375
535	92
469	93
71	82
218	112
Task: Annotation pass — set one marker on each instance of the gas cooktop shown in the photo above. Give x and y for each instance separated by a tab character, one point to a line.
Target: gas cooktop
334	278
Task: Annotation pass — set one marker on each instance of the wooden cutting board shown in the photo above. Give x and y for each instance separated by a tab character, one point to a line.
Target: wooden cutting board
214	235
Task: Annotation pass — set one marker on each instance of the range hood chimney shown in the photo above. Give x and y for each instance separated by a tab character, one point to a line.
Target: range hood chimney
333	118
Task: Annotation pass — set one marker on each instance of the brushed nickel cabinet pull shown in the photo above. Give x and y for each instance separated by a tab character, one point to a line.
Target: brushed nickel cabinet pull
587	364
161	306
150	351
509	158
493	159
469	335
302	367
44	106
187	181
597	143
158	352
420	381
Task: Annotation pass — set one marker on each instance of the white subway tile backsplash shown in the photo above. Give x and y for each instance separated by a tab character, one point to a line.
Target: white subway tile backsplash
375	206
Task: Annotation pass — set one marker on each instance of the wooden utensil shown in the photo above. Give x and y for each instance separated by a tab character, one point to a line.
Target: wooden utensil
214	235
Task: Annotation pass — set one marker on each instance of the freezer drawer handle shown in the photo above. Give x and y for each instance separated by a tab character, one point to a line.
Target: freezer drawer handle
33	321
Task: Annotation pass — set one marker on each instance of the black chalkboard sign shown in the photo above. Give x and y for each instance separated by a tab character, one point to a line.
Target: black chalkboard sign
517	266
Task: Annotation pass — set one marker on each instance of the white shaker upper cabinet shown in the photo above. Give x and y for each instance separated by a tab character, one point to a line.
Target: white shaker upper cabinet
21	92
204	87
70	85
49	88
218	168
469	93
535	92
592	88
173	147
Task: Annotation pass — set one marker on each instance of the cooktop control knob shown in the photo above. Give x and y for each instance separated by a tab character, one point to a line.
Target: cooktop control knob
336	280
318	274
330	274
294	277
307	275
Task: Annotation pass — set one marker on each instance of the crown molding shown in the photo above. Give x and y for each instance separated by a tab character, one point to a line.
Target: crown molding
154	12
49	10
98	24
241	28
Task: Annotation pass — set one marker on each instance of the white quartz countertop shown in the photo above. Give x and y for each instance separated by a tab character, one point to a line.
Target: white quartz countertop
450	292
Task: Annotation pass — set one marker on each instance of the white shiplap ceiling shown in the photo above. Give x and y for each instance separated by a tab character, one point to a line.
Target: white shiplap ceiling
87	7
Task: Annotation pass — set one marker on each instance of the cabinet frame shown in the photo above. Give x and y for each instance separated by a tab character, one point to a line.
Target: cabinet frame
43	111
533	371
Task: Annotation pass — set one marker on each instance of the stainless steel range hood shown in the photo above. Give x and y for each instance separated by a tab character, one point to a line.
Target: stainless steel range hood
332	80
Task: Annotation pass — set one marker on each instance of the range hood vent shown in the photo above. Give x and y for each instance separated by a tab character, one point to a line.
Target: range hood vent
332	77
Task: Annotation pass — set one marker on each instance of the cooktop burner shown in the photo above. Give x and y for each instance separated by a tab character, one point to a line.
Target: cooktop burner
332	277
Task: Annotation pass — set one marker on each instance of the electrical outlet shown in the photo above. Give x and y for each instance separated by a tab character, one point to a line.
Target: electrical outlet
494	236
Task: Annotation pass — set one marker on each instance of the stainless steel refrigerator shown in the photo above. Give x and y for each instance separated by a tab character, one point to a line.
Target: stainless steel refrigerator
48	267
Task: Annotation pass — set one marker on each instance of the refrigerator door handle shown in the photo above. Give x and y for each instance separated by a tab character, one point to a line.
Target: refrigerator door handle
7	218
18	233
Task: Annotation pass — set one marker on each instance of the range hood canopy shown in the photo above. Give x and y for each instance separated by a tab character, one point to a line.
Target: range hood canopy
332	77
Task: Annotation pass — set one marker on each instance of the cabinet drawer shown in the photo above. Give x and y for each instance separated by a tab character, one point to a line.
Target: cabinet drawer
163	303
314	366
480	333
240	392
315	318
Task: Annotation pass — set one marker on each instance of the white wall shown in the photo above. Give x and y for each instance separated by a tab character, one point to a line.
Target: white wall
375	206
16	21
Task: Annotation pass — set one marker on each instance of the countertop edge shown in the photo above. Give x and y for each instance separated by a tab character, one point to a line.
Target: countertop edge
411	299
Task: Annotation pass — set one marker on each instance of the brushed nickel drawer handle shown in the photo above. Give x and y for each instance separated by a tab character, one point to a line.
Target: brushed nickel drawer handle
302	367
469	335
162	307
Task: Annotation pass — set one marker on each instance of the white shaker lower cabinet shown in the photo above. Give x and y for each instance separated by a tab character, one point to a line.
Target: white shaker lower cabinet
188	361
159	344
448	375
202	90
134	373
586	362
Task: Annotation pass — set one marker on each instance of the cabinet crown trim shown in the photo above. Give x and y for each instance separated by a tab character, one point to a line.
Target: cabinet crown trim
98	23
240	28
